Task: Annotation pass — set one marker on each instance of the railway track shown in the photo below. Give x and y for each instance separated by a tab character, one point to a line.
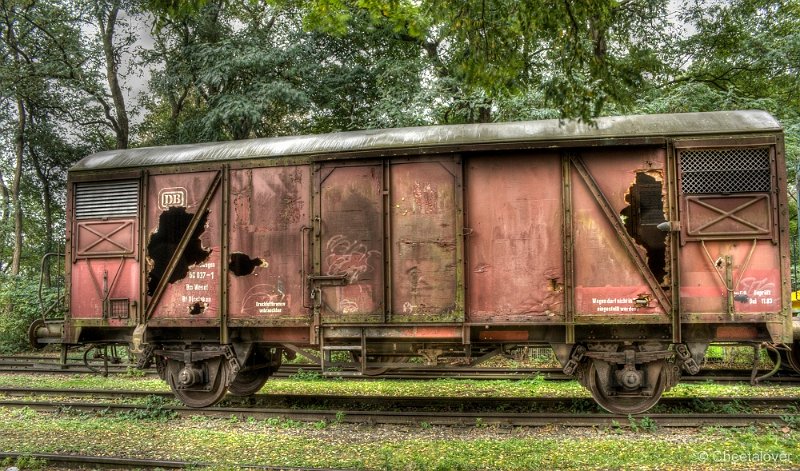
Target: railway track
72	461
412	417
410	403
552	374
382	410
51	365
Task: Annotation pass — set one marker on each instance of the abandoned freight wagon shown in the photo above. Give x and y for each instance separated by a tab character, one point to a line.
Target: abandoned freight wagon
628	246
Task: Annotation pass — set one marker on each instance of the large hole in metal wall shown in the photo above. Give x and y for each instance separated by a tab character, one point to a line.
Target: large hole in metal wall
642	216
242	265
172	224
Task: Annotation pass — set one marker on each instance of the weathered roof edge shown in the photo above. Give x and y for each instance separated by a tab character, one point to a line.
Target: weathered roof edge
679	124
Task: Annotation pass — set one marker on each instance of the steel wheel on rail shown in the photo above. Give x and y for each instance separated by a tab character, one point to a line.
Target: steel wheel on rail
624	402
249	382
32	337
793	357
200	384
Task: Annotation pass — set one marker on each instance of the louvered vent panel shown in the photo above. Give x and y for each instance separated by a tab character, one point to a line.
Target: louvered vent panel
725	170
106	199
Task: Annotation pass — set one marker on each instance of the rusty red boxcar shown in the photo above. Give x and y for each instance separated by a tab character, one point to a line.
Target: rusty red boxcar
628	245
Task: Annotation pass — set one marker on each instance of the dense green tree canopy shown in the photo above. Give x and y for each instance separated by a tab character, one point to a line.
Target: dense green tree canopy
231	69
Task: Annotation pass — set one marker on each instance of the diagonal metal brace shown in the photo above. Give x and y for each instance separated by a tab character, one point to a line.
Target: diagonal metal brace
622	234
184	242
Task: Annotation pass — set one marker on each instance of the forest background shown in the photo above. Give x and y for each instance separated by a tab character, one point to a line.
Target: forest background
81	76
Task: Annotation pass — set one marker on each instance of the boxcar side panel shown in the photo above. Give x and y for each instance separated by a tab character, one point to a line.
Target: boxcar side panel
350	242
113	282
192	294
269	223
730	254
423	241
609	284
515	266
755	276
104	283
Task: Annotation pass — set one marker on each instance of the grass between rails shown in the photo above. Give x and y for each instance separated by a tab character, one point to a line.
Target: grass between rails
313	383
158	434
276	442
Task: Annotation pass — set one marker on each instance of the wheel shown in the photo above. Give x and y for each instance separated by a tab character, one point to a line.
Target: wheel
201	384
247	383
33	340
625	403
793	357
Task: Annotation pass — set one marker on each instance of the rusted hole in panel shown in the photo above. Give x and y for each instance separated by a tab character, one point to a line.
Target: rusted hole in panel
554	285
197	308
242	265
642	216
172	224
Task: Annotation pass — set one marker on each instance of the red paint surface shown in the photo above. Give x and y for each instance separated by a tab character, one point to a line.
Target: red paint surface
202	283
515	266
606	278
757	284
351	241
87	293
270	206
423	240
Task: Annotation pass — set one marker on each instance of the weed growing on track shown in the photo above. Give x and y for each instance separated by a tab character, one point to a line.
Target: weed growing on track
305	375
155	409
645	424
28	463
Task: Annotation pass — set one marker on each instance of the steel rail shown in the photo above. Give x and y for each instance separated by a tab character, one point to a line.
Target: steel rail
146	463
722	376
403	401
410	372
431	418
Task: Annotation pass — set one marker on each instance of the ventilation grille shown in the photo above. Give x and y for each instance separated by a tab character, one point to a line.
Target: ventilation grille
725	170
119	308
106	199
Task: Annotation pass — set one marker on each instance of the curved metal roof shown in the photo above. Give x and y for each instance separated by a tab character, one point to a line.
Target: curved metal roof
681	124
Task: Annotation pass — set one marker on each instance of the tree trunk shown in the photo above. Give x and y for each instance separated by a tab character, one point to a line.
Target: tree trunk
47	202
5	208
19	150
107	21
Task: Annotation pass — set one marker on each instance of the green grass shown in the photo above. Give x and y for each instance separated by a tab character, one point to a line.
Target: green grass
155	433
276	442
83	381
314	384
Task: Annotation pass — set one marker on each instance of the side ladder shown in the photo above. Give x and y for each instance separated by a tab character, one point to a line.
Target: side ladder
327	362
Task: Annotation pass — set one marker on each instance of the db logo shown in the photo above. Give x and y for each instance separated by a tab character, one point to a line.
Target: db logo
168	197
